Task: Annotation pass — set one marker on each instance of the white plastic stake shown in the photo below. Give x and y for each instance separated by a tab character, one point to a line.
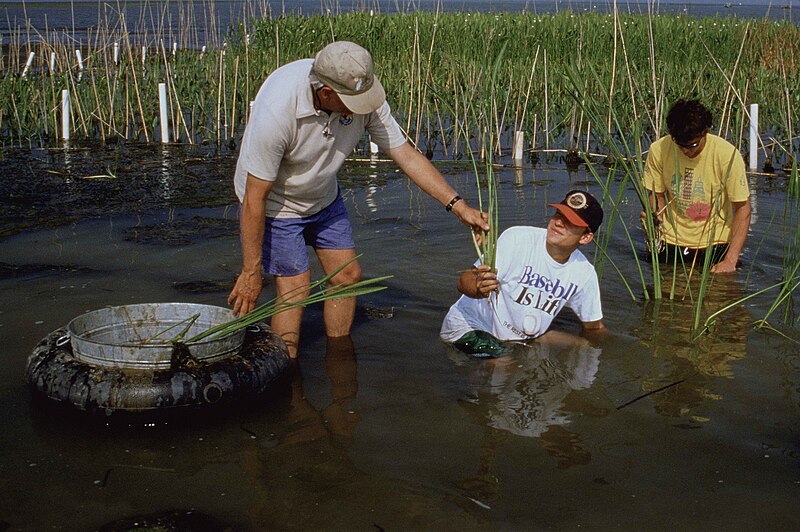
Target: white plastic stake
202	50
144	54
373	148
174	48
52	62
162	105
519	146
80	60
116	53
65	114
28	65
753	136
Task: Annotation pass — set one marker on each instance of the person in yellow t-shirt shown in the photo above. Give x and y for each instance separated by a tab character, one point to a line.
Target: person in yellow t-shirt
698	190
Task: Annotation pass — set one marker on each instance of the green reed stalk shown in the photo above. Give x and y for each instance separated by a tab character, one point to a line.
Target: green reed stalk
791	259
629	159
712	318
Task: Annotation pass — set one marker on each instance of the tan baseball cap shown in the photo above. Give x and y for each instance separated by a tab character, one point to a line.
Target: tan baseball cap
346	68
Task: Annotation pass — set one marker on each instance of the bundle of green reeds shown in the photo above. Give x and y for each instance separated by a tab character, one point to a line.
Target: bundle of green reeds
319	290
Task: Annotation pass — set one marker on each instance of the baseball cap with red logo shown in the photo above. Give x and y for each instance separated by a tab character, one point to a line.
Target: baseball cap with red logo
581	209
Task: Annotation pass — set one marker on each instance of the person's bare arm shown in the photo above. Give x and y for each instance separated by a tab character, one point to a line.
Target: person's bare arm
478	282
739	229
244	296
593	331
657	202
420	170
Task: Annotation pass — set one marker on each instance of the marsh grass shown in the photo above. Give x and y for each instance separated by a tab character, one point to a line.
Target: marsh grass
654	59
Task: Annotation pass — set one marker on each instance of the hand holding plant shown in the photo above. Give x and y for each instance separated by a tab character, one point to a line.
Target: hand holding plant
479	282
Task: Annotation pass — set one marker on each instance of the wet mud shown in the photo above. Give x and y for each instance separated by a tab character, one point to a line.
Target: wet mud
181	232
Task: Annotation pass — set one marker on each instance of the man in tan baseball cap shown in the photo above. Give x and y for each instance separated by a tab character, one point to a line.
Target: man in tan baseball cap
347	69
307	118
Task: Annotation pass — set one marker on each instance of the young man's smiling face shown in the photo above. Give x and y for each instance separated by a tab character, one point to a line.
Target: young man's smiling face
564	234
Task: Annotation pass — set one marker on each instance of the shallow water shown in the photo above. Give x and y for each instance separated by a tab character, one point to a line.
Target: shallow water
648	431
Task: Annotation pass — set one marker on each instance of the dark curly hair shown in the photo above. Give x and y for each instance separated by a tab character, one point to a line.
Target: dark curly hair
687	120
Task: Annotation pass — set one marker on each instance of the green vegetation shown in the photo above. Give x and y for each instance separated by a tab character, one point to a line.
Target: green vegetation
638	64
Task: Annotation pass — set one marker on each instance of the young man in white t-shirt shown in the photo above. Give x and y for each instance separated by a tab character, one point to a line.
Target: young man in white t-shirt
307	118
539	272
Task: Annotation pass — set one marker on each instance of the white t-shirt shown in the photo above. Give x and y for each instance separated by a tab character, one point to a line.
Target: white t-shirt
533	290
300	149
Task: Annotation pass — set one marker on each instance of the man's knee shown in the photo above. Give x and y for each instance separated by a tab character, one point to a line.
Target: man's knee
350	275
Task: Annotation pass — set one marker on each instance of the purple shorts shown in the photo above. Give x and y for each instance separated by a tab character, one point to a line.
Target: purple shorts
285	239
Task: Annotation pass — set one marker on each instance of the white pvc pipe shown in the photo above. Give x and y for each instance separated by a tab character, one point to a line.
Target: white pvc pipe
116	53
162	105
519	145
753	136
65	114
80	59
144	54
28	65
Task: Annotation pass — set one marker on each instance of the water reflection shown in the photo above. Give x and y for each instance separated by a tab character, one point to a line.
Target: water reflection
165	175
695	359
312	456
524	393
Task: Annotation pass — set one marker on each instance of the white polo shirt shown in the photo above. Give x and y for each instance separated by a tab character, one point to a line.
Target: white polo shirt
300	149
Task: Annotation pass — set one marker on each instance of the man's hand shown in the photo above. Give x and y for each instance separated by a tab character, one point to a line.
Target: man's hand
725	266
656	217
478	282
473	218
244	295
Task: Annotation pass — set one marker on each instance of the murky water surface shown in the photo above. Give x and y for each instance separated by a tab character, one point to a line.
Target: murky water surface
647	431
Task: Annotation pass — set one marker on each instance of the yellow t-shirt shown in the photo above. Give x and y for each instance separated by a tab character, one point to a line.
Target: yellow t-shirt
699	191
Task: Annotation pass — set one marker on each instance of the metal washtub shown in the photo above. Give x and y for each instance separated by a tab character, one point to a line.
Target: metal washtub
118	336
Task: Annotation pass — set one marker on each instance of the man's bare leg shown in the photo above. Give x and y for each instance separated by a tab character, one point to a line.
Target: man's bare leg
339	313
286	324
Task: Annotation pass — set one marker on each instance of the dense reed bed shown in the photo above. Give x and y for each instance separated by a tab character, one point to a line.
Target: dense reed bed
434	68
